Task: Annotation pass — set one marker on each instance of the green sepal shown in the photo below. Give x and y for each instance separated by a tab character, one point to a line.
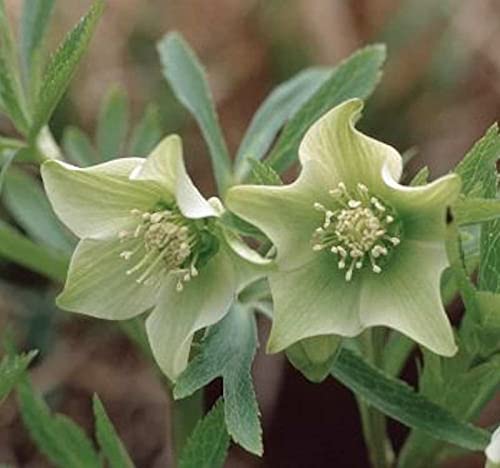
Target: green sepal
314	356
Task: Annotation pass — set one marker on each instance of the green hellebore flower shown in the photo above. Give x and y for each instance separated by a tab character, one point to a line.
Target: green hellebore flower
148	239
355	249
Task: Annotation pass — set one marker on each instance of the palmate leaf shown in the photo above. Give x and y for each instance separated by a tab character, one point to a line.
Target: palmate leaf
208	444
399	401
63	65
109	442
12	369
228	351
356	76
186	77
60	439
112	125
282	104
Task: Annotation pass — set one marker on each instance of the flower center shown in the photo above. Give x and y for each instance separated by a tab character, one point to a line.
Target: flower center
170	243
361	230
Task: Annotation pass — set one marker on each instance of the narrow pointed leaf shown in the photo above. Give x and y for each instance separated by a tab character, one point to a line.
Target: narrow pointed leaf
35	19
399	401
476	210
186	76
109	442
356	76
27	203
477	168
58	438
62	66
227	352
282	104
112	126
208	444
12	368
19	249
147	134
78	148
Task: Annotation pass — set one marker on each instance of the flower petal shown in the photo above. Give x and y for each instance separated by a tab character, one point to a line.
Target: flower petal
423	208
493	450
349	155
406	296
286	214
165	166
179	315
97	283
311	301
96	201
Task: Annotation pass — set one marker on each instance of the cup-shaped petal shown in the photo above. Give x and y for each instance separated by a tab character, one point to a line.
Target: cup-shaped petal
98	285
406	296
179	315
313	300
96	201
165	166
286	214
348	154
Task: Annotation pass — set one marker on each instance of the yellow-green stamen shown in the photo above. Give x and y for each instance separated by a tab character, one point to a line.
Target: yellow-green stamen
169	244
360	229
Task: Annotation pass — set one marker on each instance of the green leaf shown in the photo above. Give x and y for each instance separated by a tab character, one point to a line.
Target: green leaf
57	437
477	169
11	144
112	126
28	204
186	76
282	104
78	147
108	439
35	19
11	95
12	368
461	389
19	249
399	401
208	444
264	174
356	76
228	351
396	352
478	173
421	177
62	66
476	210
147	133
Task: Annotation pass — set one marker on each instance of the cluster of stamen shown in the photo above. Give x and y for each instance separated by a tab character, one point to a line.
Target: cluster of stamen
360	230
168	244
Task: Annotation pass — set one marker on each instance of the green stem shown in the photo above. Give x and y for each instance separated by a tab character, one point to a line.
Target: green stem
373	421
185	414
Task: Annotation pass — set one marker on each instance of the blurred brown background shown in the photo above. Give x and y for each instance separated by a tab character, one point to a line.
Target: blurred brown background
440	91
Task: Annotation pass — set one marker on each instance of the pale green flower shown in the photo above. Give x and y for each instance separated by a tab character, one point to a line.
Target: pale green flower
148	239
493	451
355	249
